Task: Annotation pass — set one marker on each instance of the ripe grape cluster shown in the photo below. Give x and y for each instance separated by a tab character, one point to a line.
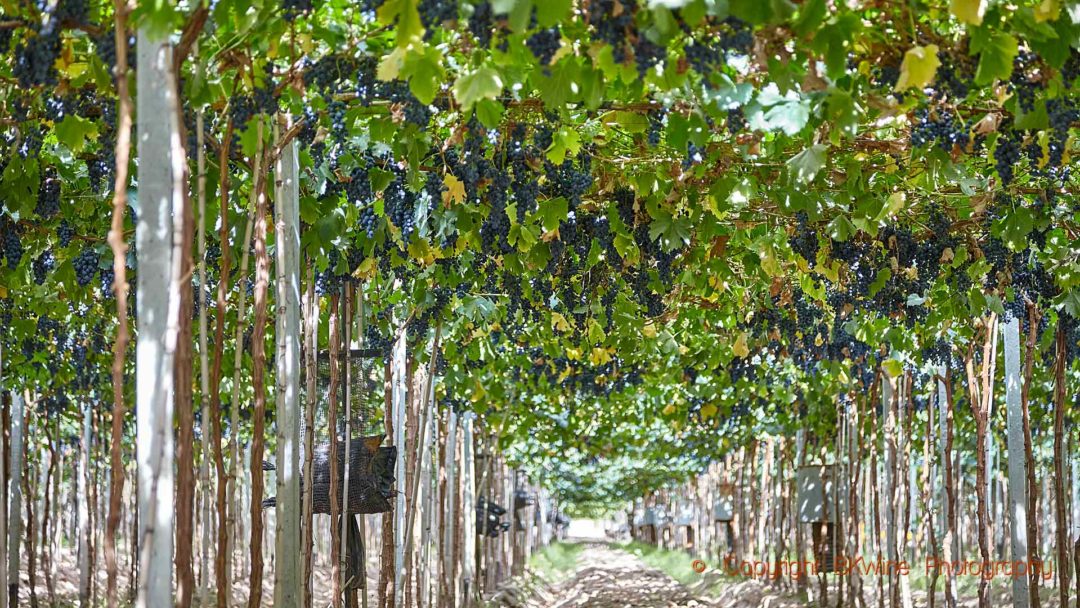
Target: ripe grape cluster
1031	279
481	23
656	126
732	37
804	242
12	244
72	13
940	127
97	171
612	20
695	155
64	233
264	96
702	56
954	76
1061	115
412	109
48	199
647	54
56	108
400	205
241	110
336	110
108	276
1022	83
624	206
330	70
736	121
35	58
291	9
433	13
374	339
736	36
884	76
86	266
570	180
105	47
544	44
328	282
1007	155
42	266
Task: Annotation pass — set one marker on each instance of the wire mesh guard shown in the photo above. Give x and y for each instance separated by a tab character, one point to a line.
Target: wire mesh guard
358	378
371	467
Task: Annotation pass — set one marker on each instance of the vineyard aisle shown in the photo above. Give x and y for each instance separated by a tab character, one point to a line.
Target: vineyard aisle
437	303
611	578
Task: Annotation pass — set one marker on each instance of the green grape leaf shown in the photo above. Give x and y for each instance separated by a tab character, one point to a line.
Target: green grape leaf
996	53
565	141
553	211
482	83
551	12
805	165
73	131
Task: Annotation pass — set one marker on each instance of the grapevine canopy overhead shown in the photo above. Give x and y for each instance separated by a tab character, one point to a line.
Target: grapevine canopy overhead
644	226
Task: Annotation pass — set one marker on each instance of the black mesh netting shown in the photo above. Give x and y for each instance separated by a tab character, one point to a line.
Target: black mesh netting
371	467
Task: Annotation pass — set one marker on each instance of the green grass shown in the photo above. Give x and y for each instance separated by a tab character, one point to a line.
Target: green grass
676	564
556	561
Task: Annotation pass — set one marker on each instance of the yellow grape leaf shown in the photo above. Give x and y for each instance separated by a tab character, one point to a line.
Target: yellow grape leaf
649	331
893	368
894	204
455	190
769	263
599	356
559	322
740	348
422	252
1048	10
391	65
708	410
918	68
366	269
478	392
669	410
968	11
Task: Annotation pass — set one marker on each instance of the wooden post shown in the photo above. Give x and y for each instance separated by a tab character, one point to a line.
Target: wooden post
3	505
84	510
288	586
399	397
204	363
233	478
468	507
451	508
311	348
425	403
362	527
14	514
1018	500
429	469
888	400
342	555
161	196
1061	529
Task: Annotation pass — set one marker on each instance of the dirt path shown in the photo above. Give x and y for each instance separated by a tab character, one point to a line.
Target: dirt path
610	578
